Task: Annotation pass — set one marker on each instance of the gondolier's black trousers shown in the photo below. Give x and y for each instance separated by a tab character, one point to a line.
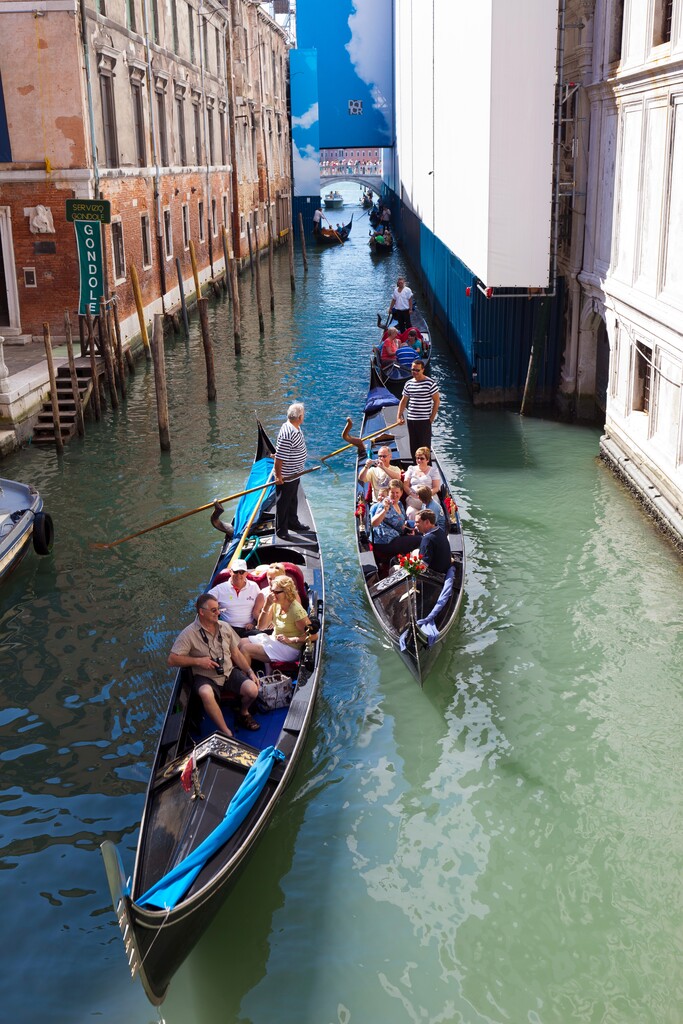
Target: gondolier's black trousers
287	501
402	320
419	435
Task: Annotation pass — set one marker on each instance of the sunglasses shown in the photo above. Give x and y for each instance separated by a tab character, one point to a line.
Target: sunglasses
239	572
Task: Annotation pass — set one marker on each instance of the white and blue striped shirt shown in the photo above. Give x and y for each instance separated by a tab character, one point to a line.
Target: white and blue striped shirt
291	449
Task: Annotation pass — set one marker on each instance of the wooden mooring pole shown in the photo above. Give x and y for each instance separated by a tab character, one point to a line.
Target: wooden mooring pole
117	345
183	304
290	250
208	351
141	313
76	391
251	251
236	308
159	360
228	275
270	263
54	399
195	272
303	242
106	352
95	393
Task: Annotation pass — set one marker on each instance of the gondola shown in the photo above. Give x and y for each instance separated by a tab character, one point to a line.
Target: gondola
366	201
381	244
415	612
330	236
162	919
374	215
22	518
395	375
333	200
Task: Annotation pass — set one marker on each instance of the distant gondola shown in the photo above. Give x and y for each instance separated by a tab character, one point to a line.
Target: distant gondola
330	236
366	201
395	375
415	612
162	916
380	244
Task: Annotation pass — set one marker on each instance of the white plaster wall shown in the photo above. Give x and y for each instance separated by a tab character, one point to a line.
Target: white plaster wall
475	95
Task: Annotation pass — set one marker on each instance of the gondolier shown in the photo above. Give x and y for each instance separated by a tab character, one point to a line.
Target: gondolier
290	459
420	403
402	305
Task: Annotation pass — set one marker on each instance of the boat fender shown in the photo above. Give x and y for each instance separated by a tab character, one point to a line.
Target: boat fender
43	533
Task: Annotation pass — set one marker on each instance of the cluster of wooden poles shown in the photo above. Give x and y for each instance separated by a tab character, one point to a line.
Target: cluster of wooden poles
116	358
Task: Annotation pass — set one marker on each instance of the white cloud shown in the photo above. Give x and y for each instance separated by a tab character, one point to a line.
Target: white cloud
370	49
306	165
308	119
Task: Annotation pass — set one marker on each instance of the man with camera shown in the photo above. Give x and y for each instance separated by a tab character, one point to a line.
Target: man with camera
209	647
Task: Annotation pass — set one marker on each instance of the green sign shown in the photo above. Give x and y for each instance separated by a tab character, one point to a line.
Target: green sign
88	209
90	264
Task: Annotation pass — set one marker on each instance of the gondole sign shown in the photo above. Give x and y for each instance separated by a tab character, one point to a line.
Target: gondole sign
87	216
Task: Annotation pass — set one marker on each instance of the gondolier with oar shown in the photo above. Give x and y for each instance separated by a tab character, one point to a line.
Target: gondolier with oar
290	459
420	403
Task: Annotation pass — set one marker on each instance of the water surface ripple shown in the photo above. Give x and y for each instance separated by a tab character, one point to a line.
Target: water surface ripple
502	847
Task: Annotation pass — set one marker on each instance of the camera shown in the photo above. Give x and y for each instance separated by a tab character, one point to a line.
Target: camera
220	663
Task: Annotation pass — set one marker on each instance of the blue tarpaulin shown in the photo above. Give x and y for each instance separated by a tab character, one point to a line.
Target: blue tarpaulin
260	472
169	890
377	399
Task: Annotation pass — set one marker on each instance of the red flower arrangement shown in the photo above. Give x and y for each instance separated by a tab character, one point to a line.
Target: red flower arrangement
361	508
412	564
451	507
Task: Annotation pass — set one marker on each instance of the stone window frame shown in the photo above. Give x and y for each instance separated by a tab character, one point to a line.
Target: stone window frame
168	232
106	64
146	236
161	82
118	250
200	219
187	227
179	93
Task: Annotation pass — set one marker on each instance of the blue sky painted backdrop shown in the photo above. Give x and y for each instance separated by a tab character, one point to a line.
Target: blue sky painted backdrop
354	40
303	73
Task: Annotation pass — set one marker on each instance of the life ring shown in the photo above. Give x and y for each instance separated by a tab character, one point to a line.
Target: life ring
43	533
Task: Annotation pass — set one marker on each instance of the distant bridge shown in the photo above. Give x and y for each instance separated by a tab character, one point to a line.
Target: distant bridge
372	181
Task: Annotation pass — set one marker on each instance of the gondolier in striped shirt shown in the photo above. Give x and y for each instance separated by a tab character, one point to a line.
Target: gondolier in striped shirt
290	459
420	404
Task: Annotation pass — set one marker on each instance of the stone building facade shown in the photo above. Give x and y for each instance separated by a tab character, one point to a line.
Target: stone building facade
174	111
622	236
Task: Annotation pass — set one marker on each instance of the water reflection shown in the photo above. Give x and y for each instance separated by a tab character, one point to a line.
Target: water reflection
499	847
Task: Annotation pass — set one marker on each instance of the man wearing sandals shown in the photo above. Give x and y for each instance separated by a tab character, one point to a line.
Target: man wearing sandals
209	647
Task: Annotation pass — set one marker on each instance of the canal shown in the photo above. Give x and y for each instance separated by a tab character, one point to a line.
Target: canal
502	847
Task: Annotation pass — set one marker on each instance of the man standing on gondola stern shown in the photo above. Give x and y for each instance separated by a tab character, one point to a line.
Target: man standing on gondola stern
290	459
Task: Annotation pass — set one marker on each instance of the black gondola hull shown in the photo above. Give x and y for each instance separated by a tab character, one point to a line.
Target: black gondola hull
173	823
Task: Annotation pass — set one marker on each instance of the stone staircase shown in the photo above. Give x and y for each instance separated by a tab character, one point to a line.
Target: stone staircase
43	430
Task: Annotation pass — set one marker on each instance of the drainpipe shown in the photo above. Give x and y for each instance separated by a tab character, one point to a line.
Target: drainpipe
202	39
155	157
91	110
232	118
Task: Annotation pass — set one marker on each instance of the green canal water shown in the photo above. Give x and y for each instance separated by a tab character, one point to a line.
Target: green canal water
504	846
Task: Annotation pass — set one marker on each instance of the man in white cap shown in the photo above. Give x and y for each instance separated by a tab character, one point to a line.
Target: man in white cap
240	600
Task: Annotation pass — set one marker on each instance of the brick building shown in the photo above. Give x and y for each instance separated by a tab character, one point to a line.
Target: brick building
175	113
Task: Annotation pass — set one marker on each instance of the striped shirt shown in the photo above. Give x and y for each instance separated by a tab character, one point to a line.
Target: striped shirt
291	449
420	395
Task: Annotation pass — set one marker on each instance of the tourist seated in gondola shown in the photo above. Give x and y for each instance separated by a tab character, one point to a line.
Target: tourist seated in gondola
404	355
286	615
420	475
389	523
435	551
240	599
379	474
429	501
210	649
390	344
414	338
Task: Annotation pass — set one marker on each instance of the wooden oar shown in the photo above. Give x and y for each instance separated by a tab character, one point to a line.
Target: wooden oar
230	497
